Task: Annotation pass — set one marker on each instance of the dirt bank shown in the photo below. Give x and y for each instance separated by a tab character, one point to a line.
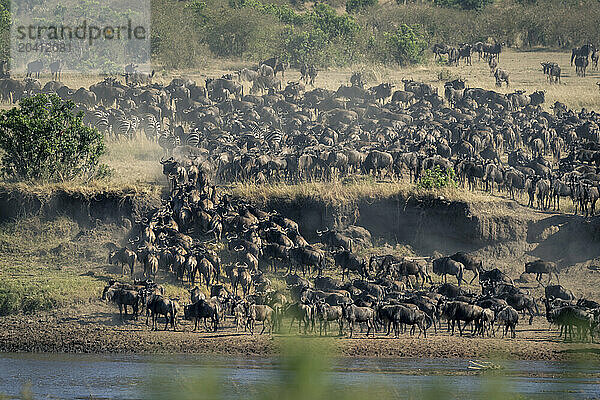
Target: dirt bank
86	204
96	328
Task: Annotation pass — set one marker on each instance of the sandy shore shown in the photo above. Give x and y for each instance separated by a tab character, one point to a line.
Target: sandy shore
96	328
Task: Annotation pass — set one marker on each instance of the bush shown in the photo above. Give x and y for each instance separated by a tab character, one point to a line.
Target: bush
305	46
358	5
437	178
176	32
464	4
406	45
326	19
43	140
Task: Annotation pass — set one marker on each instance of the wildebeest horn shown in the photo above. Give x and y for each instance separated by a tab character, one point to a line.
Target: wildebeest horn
240	248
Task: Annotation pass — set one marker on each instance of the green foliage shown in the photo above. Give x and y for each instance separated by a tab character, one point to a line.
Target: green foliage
326	19
437	178
43	140
15	298
319	36
233	36
406	45
464	4
305	46
283	12
176	32
358	5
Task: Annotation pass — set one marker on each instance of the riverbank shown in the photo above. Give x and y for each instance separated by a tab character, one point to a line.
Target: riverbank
97	328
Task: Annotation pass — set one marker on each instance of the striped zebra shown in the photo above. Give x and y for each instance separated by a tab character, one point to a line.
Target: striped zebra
100	121
124	126
274	138
192	139
151	127
168	142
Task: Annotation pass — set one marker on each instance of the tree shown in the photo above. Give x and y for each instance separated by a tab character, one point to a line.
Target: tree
406	45
464	4
358	5
42	139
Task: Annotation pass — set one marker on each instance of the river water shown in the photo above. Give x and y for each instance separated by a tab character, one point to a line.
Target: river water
80	376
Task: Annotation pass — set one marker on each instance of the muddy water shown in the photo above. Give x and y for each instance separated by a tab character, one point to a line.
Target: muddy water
63	376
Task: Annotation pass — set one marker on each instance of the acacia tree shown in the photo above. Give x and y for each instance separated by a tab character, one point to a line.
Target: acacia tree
43	140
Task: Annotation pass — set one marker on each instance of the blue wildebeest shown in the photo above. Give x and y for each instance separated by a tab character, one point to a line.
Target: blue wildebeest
35	68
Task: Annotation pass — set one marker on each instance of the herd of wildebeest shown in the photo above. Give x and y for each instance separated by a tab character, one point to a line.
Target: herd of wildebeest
181	236
214	133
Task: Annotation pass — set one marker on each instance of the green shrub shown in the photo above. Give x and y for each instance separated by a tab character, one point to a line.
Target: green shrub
464	4
406	45
437	178
305	46
333	25
359	5
43	140
177	29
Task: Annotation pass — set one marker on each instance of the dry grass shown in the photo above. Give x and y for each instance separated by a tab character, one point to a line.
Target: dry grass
524	68
134	162
365	188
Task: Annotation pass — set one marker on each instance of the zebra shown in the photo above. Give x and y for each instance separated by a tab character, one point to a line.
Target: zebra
100	121
192	139
168	141
274	138
151	127
124	127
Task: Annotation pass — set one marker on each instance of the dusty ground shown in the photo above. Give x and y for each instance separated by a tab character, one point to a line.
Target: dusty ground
97	328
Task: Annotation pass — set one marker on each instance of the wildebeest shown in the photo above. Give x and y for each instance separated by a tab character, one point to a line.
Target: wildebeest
581	64
407	268
202	309
493	50
540	267
439	49
260	313
348	261
306	257
304	313
327	313
123	256
56	69
308	73
582	52
381	91
501	76
457	311
159	305
508	317
469	262
552	71
445	265
122	297
353	314
558	292
34	68
493	65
